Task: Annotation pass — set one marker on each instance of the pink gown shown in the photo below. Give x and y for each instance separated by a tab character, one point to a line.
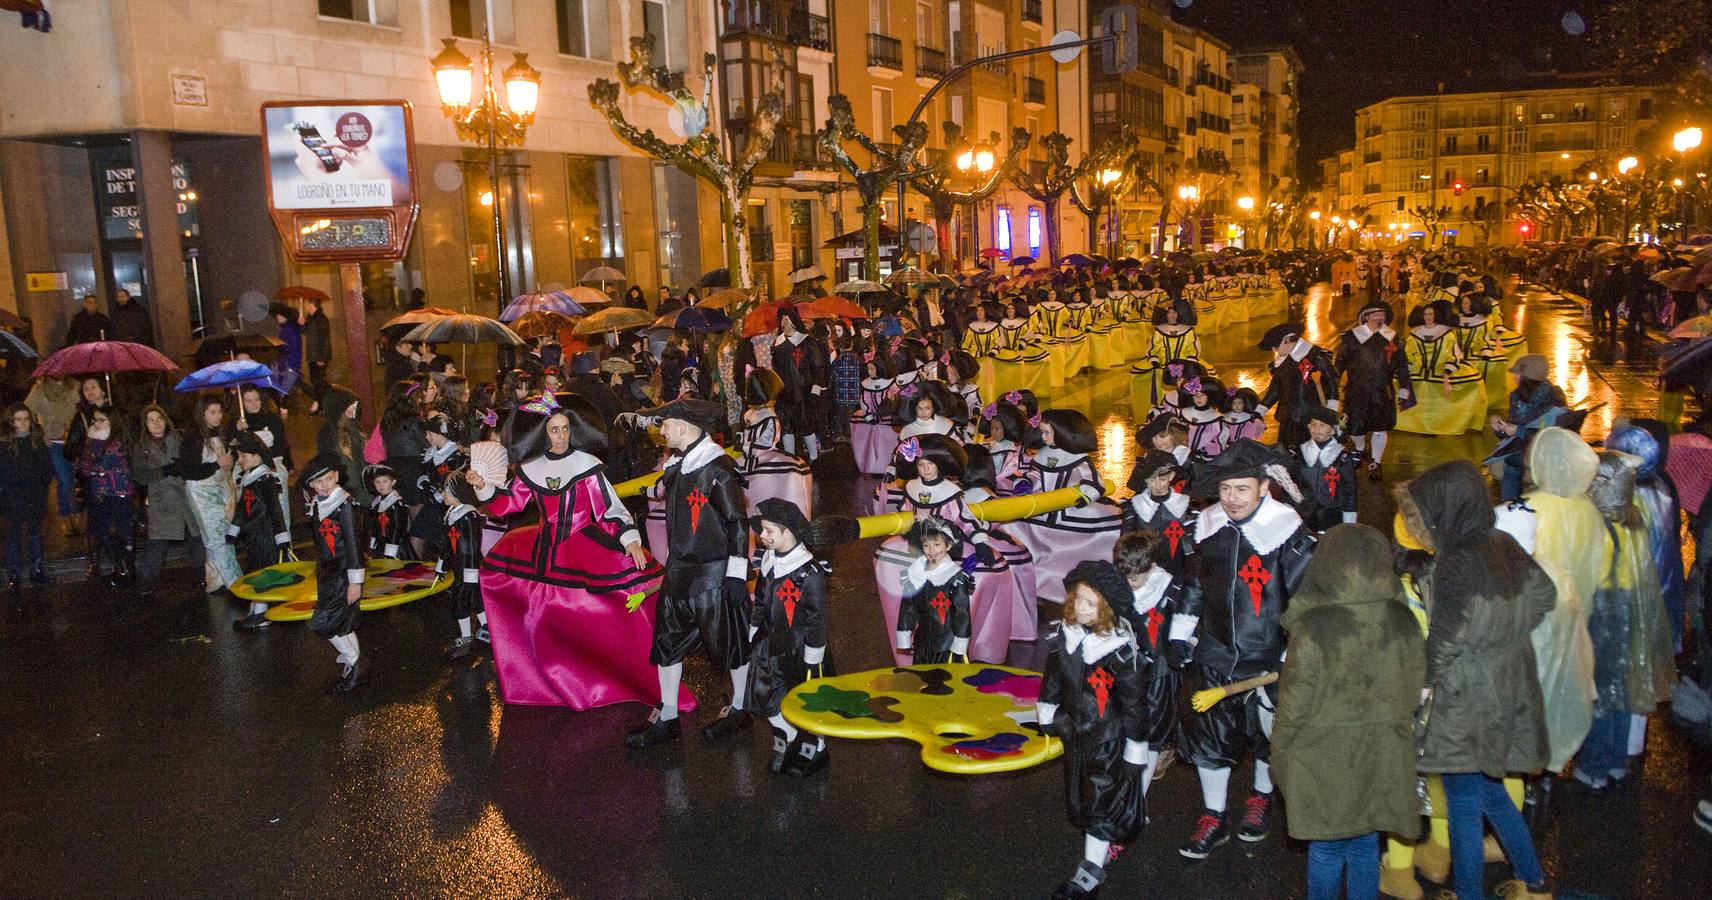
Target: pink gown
872	438
1234	426
1205	428
1001	608
772	472
556	592
1062	539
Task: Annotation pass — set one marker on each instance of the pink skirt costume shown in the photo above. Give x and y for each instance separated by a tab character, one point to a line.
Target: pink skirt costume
1001	607
1010	468
1062	539
1235	426
1205	428
769	471
557	592
872	438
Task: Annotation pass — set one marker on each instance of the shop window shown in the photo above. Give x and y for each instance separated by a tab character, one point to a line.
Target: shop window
1002	230
1034	231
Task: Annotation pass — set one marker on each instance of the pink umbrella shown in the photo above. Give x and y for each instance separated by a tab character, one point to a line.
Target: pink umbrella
1690	466
102	357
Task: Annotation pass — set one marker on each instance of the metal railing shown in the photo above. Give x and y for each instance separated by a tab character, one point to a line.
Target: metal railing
885	51
810	30
808	154
1031	11
930	62
1033	90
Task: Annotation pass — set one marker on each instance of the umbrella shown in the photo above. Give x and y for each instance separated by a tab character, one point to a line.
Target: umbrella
908	275
541	323
695	318
763	318
299	292
831	308
398	326
726	299
715	278
233	344
992	253
1076	259
1697	327
806	273
618	318
544	301
463	329
601	275
227	374
103	357
860	286
1023	261
14	347
1690	466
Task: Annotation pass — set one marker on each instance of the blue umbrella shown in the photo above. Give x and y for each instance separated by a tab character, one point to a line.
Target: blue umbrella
13	347
560	302
226	374
700	318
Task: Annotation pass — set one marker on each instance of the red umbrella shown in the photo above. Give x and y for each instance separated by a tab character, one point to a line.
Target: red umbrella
992	253
102	357
763	318
299	292
832	308
1690	466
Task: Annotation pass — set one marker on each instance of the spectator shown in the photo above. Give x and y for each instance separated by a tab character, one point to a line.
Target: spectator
26	469
88	325
104	466
634	298
400	363
290	364
130	321
205	464
418	300
168	516
317	350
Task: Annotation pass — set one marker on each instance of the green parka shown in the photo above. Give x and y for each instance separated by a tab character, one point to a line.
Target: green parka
1343	742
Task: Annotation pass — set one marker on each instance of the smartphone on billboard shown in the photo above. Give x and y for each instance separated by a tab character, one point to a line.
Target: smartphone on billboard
311	138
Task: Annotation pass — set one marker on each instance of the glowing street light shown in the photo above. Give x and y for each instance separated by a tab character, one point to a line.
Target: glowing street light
1315	215
1188	192
1245	203
1627	164
1109	176
1685	140
1593	177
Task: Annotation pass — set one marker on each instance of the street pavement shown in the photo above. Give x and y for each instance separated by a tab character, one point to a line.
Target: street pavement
148	750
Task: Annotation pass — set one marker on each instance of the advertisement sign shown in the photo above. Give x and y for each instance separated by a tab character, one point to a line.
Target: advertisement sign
341	177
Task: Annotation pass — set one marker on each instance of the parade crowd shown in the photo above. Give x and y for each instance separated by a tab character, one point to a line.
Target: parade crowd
1400	690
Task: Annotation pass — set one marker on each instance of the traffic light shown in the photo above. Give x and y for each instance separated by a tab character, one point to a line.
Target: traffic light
1456	188
1525	227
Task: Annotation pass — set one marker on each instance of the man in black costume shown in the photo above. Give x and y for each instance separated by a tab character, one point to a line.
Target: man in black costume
705	600
1371	358
1250	552
1303	377
801	364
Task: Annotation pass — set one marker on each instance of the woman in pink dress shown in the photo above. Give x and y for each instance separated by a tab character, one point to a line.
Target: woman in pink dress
1060	540
771	472
873	438
1240	420
1203	415
570	599
1001	608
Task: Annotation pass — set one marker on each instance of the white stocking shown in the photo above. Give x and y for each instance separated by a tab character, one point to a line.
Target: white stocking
778	721
739	686
1095	850
1262	777
1215	785
1150	762
1360	441
1637	734
670	677
1379	440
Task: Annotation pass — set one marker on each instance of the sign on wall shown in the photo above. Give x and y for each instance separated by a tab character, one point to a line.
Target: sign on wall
341	177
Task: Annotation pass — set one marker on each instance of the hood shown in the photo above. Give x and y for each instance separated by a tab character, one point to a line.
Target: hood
1351	566
334	403
1613	489
1447	505
1561	463
1640	443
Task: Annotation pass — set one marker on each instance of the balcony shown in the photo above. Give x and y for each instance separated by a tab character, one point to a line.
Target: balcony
1206	78
1371	157
1370	189
1173	77
761	245
1373	131
930	62
808	154
964	47
1034	91
1031	11
782	21
810	30
1172	135
885	52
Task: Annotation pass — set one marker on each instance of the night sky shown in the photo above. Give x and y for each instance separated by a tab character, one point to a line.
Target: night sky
1358	52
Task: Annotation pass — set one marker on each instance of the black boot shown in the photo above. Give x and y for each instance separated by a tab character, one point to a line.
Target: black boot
782	750
349	678
809	758
654	732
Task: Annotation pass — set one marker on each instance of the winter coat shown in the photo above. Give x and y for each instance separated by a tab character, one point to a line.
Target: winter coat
86	327
154	464
26	470
1484	596
317	339
130	322
54	401
1343	742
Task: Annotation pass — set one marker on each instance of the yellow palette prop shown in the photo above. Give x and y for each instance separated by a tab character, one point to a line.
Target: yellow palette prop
290	587
970	719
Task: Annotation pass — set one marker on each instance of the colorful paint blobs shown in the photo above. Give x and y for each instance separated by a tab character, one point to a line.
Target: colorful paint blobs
898	681
849	704
270	578
411	572
999	745
881	709
935	682
1023	688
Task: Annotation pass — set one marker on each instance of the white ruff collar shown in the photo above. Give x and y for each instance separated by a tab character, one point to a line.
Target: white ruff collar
1145	506
937	576
458	512
1169	330
935	425
554	474
924	494
1362	333
700	453
384	503
253	474
775	564
1094	646
438	455
1266	530
1152	590
1321	457
1199	415
1054	458
876	384
1429	332
1301	349
976	326
325	506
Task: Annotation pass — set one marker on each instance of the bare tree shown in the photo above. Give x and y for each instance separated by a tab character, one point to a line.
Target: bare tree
889	163
1058	176
934	179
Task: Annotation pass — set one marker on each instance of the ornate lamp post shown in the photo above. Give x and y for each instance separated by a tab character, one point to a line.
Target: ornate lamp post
1246	204
1684	142
482	119
979	160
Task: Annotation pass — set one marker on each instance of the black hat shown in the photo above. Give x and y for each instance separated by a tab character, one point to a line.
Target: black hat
785	513
319	466
377	470
1375	306
707	415
1324	414
445	426
1246	458
1151	463
762	387
1275	335
1103	577
248	442
1156	427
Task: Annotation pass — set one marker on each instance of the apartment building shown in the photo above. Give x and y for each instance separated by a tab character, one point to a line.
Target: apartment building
1264	142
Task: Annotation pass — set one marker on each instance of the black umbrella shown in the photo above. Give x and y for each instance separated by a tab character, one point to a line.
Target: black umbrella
221	347
715	278
1691	366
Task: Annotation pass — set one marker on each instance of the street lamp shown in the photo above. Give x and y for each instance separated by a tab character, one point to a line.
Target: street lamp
1627	164
1685	140
972	159
1245	203
483	119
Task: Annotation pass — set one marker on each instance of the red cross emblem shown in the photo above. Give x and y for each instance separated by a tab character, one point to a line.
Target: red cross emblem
796	357
442	469
1101	681
1331	479
385	522
1390	351
695	500
1306	367
1255	577
452	536
1154	620
329	532
1174	532
249	500
941	605
788	594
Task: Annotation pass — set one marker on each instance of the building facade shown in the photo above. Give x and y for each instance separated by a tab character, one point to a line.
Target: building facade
1264	141
1412	153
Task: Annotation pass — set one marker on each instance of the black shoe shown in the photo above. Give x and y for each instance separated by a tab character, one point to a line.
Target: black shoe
1211	831
782	750
1255	818
252	622
348	680
1373	472
808	760
1085	883
462	648
654	732
731	720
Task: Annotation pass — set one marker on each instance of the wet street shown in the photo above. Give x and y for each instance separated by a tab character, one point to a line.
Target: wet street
148	750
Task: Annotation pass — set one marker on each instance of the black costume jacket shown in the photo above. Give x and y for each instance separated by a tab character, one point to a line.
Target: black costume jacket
389	524
1093	701
933	618
338	562
1304	379
460	554
789	616
1377	367
1170	517
1328	481
1149	615
258	522
1244	576
705	515
802	366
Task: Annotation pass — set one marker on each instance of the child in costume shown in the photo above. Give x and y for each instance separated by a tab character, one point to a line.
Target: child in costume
1203	417
1250	552
1061	539
1160	508
388	514
1239	420
789	644
1093	696
806	376
873	438
1155	594
461	554
1006	428
769	471
1172	400
339	565
444	456
1376	367
1169	434
1329	471
1302	378
257	527
933	621
706	592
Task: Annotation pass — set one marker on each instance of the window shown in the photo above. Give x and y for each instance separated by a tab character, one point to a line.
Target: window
370	12
582	29
1482	175
1483	143
1617	107
668	22
596	235
1450	143
1002	230
926	30
1400	206
877	19
805	103
474	18
883	116
1034	231
1646	108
